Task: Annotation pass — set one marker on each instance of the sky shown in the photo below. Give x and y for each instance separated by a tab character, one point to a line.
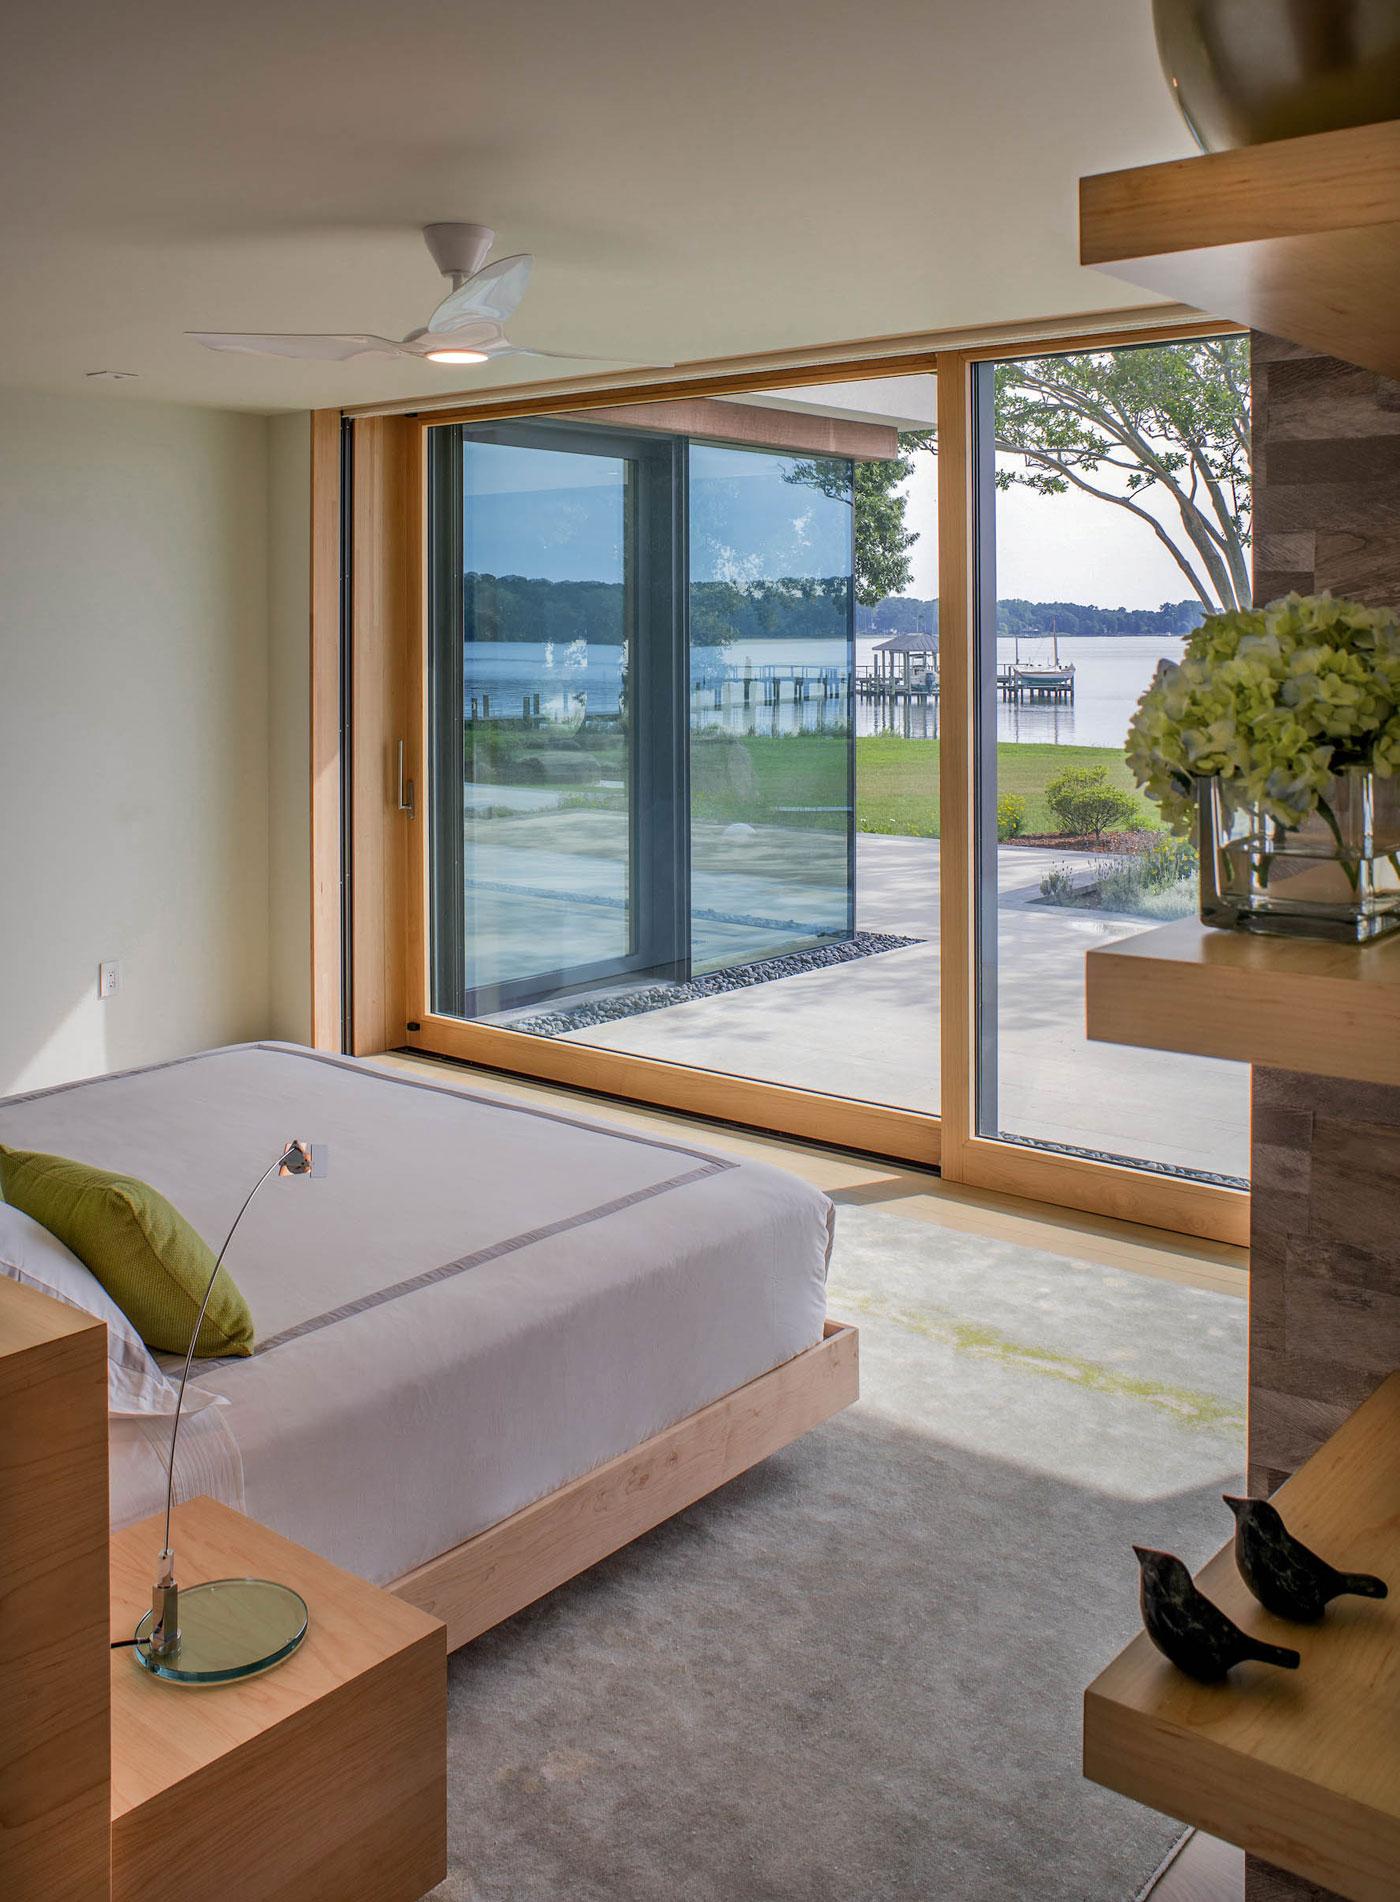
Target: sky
558	516
1054	548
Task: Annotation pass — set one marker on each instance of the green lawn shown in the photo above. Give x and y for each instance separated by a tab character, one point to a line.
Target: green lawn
897	782
799	780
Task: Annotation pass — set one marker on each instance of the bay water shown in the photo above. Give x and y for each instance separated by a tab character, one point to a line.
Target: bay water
1111	673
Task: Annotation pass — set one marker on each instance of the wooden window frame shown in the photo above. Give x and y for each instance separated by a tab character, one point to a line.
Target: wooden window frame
383	646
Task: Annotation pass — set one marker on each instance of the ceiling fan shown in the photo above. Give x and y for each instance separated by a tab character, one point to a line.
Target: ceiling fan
466	327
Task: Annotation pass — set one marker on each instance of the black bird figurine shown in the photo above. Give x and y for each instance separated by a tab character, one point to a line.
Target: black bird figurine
1282	1573
1194	1634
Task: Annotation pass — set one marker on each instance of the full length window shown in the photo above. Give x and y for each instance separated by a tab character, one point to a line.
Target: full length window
730	803
640	676
1112	514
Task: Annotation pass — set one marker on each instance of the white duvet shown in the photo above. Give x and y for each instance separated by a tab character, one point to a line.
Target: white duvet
479	1301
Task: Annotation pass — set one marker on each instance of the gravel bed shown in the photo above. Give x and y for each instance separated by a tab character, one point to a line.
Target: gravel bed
1109	1155
611	1007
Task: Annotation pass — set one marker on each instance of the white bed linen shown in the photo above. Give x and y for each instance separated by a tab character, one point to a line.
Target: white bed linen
479	1302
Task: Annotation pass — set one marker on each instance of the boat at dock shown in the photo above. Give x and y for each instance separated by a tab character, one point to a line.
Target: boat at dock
1032	680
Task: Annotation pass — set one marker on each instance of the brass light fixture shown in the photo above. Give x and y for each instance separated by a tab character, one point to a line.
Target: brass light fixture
1244	72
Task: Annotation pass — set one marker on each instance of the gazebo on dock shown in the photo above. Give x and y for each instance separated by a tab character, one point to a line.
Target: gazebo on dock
907	663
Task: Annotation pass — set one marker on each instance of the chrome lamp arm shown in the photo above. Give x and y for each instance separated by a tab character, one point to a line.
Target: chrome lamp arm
298	1158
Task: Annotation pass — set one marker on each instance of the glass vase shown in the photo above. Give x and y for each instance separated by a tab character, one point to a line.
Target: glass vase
1337	875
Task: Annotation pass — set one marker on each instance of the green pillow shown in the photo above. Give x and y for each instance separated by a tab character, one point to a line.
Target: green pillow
143	1251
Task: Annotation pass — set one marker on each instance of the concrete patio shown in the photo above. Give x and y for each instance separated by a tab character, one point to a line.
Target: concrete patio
870	1029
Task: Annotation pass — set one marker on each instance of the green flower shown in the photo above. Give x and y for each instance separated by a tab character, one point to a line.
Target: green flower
1274	701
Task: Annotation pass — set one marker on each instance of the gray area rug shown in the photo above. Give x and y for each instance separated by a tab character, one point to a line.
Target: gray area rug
855	1674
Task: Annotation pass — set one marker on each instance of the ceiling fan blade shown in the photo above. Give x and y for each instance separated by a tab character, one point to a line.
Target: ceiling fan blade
494	292
324	349
576	356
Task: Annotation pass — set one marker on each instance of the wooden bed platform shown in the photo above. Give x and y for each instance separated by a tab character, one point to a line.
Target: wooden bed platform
508	1566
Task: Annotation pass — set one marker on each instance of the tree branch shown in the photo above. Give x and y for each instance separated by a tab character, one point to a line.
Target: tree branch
1144	515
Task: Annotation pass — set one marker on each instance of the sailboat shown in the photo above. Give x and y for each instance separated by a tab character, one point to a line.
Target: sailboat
1035	677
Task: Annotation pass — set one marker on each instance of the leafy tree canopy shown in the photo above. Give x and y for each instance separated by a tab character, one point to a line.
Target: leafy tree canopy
1167	421
1164	422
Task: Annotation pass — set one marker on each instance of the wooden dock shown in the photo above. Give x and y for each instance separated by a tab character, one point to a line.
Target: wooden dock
770	685
871	685
1036	683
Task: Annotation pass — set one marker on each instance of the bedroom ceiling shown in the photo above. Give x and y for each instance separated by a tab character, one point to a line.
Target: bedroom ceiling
694	182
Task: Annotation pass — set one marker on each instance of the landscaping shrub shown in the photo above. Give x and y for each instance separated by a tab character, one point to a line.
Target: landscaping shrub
1011	816
1157	883
1057	886
1086	804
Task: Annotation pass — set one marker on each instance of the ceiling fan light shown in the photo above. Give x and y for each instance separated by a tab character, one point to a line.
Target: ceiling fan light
457	356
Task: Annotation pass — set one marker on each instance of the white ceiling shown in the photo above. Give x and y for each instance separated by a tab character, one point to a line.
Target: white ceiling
695	181
909	402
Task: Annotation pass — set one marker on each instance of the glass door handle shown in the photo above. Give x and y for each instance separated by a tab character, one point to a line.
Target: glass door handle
405	801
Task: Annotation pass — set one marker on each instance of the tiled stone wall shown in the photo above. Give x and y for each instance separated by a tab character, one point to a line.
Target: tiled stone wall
1327	476
1325	1262
1325	1322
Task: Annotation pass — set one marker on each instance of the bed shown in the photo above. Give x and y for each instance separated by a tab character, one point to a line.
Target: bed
493	1343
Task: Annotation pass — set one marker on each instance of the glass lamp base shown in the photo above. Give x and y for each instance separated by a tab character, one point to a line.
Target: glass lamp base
231	1628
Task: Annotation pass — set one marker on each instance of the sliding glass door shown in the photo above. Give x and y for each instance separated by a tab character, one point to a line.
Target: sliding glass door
771	607
557	772
731	804
1110	513
639	681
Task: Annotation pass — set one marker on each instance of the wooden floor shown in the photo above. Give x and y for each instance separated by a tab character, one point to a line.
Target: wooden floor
1206	1870
916	1193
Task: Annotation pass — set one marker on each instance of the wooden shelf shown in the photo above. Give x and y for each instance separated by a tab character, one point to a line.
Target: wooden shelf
1300	238
1292	1003
1301	1768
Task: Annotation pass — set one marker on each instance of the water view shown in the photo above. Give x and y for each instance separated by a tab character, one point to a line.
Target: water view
571	681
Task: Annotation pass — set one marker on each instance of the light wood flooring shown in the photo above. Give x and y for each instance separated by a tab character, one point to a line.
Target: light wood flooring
1205	1870
917	1194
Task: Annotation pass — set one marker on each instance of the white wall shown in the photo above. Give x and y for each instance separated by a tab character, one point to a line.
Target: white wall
134	732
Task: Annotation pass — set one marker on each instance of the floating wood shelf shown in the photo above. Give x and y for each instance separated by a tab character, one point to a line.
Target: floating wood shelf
1300	237
1291	1003
1300	1768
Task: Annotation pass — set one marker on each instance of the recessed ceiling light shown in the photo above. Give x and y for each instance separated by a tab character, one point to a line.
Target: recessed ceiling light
113	376
457	356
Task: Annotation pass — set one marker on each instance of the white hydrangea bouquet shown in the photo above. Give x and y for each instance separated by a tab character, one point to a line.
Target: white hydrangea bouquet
1278	736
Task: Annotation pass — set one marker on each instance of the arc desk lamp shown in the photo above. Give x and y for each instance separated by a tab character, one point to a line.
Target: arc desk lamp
227	1628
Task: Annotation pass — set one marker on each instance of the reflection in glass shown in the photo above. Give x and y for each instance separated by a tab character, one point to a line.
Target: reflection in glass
547	604
771	668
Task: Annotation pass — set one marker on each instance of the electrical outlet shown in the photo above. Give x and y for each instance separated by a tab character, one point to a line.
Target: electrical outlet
109	978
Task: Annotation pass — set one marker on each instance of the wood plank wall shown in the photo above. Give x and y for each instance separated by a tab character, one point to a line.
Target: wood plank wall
1325	1242
384	627
55	1662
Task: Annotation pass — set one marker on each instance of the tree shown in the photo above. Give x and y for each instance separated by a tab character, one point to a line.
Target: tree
1116	424
1121	424
882	541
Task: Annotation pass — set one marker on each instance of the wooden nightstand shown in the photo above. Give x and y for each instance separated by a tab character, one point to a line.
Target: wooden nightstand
325	1780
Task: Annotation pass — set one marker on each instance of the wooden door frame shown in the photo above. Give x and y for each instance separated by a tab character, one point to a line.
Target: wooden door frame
879	1128
1102	1188
386	653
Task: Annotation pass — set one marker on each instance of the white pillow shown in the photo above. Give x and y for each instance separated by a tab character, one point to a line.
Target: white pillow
29	1254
